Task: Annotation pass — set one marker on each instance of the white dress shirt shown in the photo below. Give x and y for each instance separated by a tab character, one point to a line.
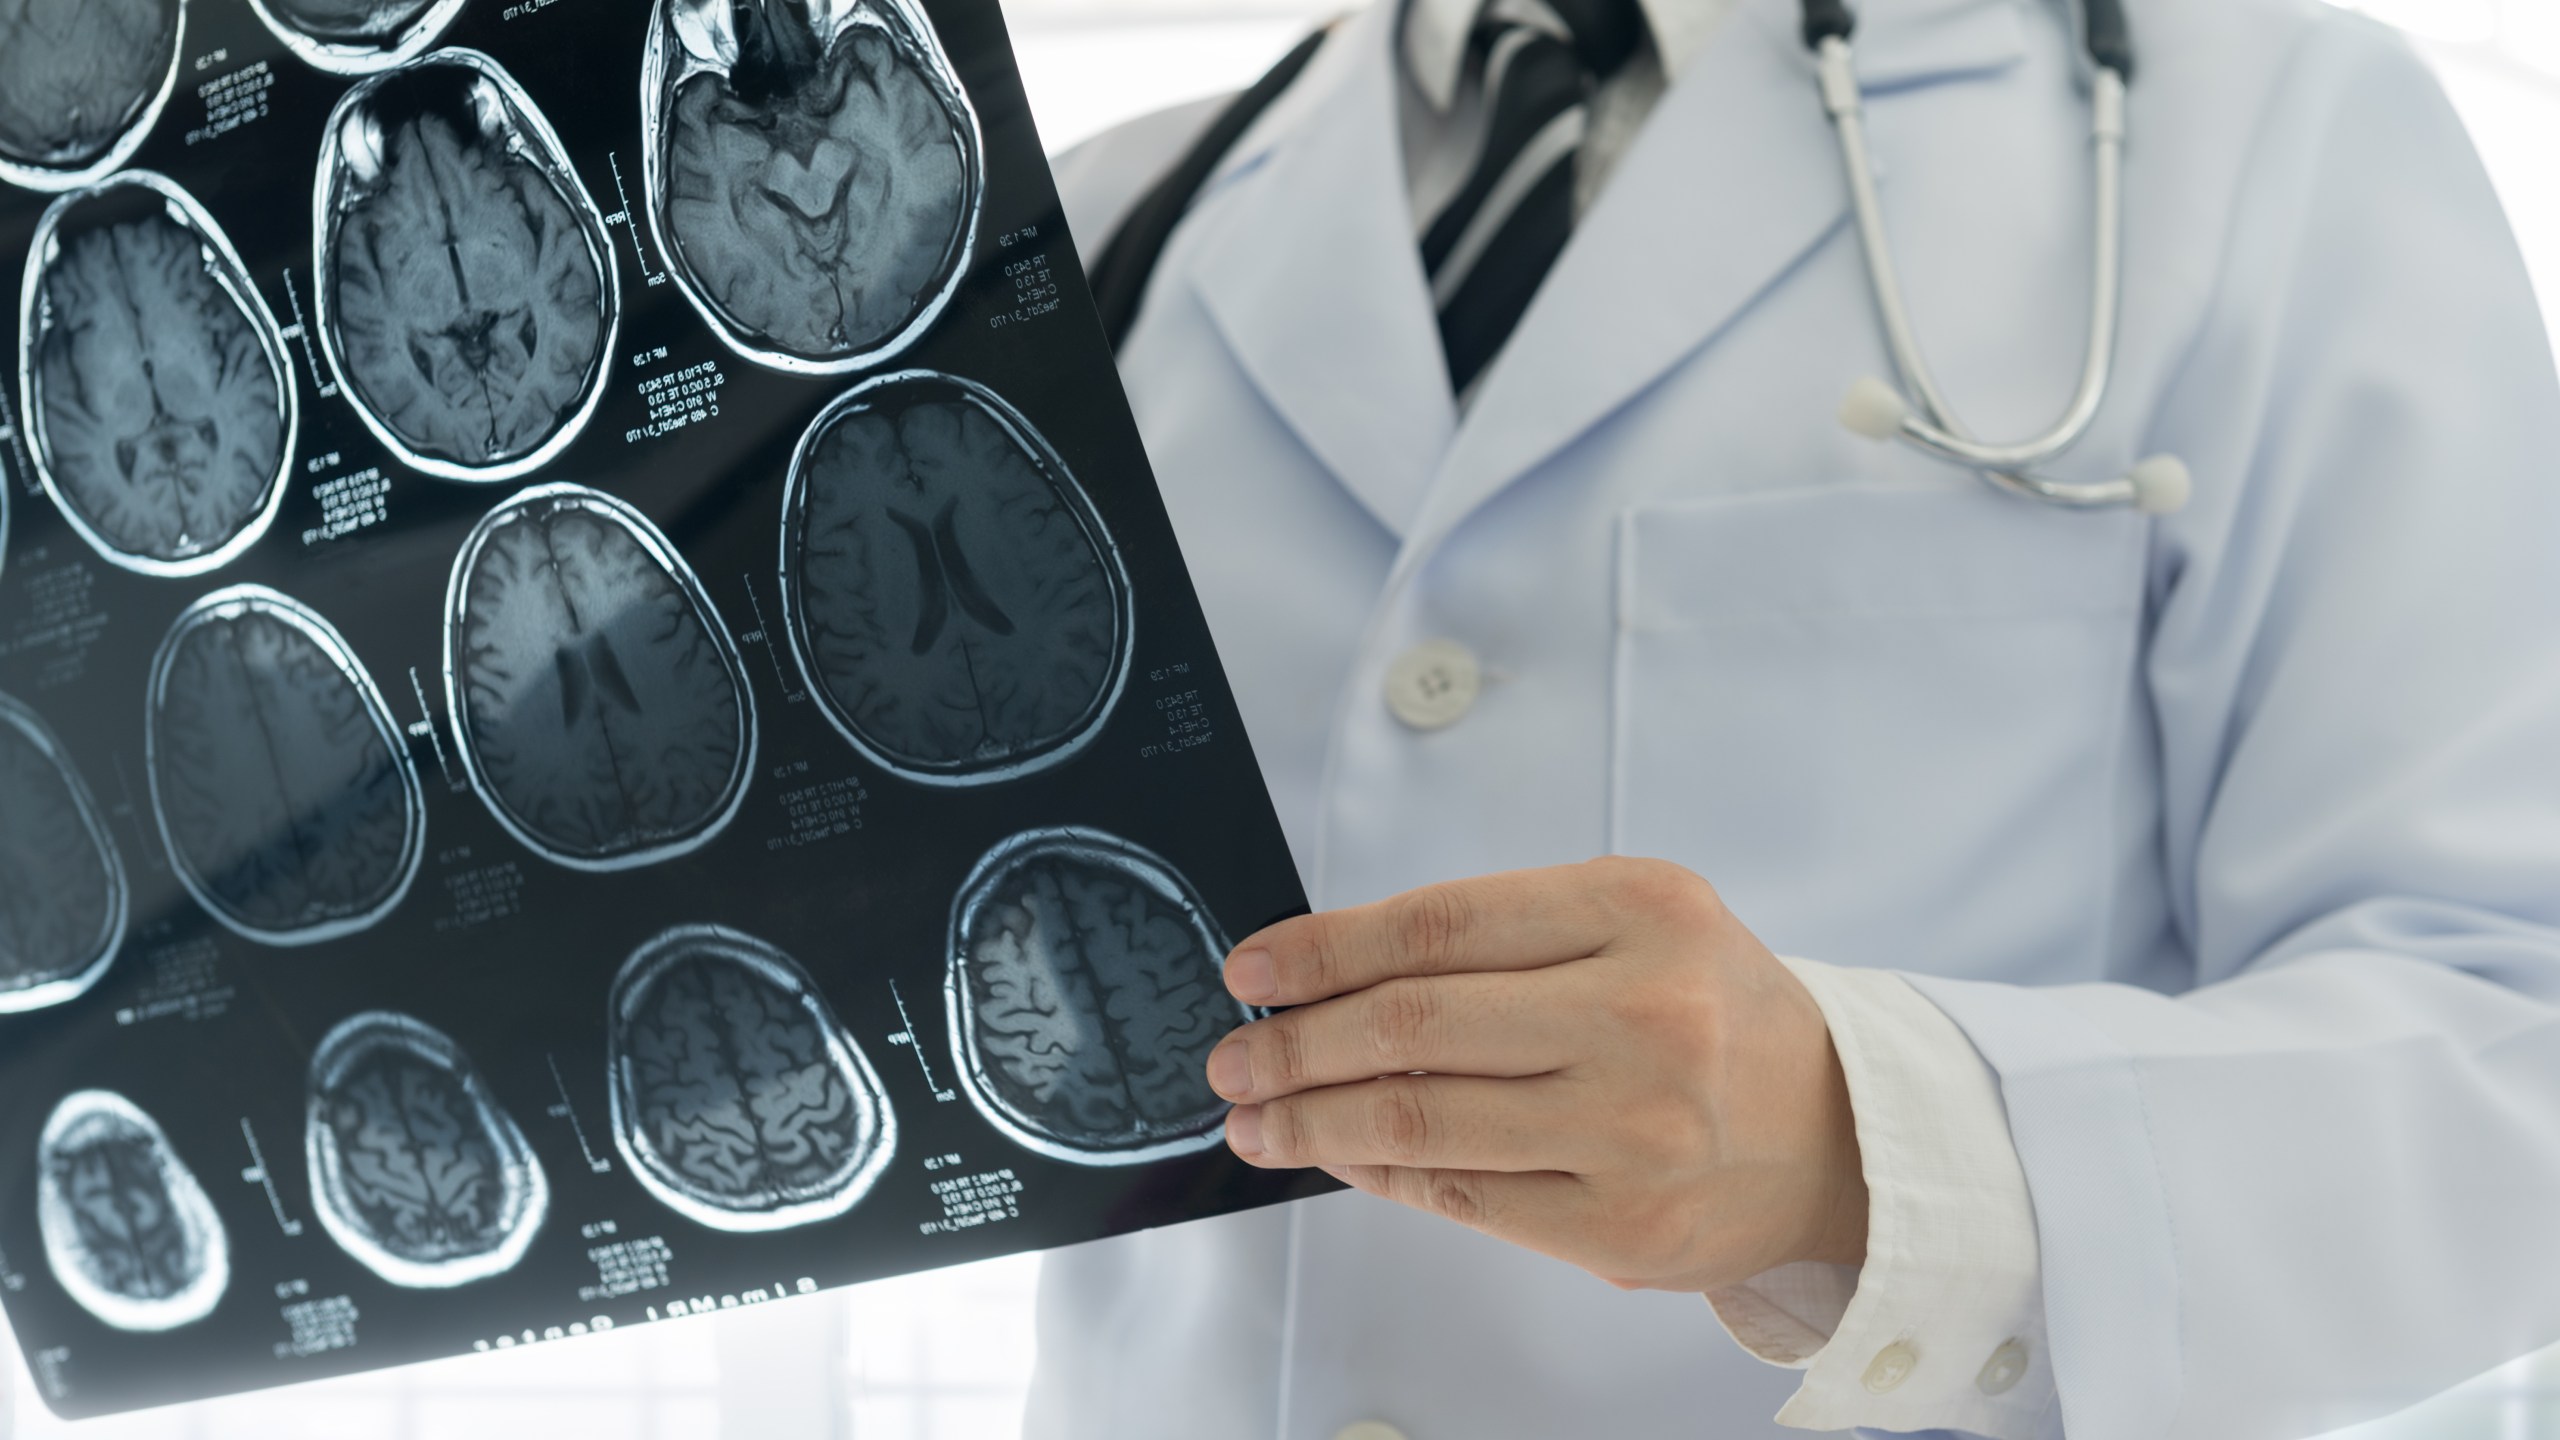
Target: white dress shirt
1944	1326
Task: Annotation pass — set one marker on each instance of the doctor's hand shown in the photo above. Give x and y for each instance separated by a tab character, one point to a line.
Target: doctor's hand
1597	1062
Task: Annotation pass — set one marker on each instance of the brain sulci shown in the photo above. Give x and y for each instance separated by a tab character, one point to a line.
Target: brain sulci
162	400
415	1169
128	1232
467	287
1085	996
284	791
62	884
79	82
814	173
604	711
738	1098
954	600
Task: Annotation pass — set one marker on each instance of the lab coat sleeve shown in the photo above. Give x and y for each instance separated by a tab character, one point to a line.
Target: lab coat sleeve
2325	1181
1942	1327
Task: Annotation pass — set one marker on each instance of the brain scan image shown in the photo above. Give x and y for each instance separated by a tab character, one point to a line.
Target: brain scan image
63	901
467	291
738	1098
415	1170
81	82
813	174
951	596
127	1230
1084	997
356	37
284	790
603	710
160	401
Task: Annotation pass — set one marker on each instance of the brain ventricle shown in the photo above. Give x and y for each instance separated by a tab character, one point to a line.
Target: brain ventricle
76	75
62	892
161	403
956	601
416	1170
127	1228
604	707
469	291
281	786
1088	975
818	188
738	1097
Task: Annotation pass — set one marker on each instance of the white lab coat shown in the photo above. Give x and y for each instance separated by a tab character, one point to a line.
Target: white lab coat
2232	840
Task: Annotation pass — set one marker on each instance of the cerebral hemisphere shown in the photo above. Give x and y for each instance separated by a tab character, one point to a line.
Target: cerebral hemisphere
1085	998
738	1098
468	290
415	1169
163	409
956	602
77	76
815	172
62	885
288	801
127	1230
604	709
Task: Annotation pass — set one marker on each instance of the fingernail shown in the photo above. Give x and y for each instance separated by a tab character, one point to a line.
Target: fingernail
1244	1131
1231	1070
1250	977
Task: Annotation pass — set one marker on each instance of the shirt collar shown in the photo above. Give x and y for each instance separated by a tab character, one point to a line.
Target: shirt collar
1435	39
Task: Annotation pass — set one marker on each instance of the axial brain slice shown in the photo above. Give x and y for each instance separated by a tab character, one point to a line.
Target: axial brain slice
819	187
417	1172
604	709
738	1097
1087	998
75	75
163	422
127	1229
62	896
272	764
956	601
468	302
349	19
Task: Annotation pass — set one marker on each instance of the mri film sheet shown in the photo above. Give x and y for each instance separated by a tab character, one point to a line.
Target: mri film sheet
600	716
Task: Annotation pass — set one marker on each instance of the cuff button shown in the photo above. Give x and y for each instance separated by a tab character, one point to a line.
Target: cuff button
1892	1366
2002	1372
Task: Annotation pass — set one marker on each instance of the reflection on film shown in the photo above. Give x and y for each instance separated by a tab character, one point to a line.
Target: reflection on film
951	596
738	1098
159	400
415	1170
356	37
813	174
467	298
1084	998
127	1230
284	791
63	901
81	82
602	708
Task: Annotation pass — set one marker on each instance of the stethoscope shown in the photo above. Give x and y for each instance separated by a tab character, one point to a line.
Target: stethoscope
1916	412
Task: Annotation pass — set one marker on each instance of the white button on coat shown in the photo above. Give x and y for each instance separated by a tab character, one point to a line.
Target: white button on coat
1433	685
2002	1372
1890	1368
1369	1430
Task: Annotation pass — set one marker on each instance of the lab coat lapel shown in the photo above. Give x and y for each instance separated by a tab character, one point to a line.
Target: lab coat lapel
1734	180
1310	272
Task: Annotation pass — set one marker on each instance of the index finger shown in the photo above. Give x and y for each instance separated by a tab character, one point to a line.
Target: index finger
1523	920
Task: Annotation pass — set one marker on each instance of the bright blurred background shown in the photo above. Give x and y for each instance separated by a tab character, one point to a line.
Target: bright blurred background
947	1356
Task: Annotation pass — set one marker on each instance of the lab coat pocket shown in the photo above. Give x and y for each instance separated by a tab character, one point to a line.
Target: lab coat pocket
1884	720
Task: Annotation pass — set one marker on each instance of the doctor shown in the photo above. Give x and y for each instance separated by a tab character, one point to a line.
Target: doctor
2174	1047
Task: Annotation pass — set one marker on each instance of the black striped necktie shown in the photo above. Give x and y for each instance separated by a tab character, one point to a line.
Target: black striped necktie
1490	248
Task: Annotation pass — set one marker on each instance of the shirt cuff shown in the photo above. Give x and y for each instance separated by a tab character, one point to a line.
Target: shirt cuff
1943	1327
